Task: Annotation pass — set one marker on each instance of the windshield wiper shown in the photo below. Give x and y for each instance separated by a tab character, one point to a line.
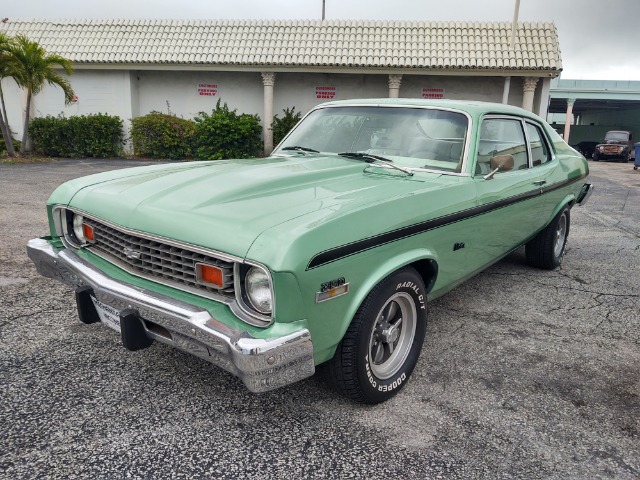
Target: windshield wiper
300	149
369	158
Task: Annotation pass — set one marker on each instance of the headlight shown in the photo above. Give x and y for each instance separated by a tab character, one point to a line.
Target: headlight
257	286
78	220
78	232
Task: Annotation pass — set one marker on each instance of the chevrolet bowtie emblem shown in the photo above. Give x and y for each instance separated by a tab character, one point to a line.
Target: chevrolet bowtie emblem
130	253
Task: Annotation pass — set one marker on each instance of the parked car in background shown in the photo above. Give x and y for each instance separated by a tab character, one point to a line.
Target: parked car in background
586	148
326	252
617	145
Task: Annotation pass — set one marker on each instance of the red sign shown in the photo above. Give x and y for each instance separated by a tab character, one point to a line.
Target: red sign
325	93
433	93
208	89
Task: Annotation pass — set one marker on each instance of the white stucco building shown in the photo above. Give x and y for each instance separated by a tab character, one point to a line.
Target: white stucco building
132	67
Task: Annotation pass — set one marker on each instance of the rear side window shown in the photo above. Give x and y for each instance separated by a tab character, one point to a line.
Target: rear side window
540	153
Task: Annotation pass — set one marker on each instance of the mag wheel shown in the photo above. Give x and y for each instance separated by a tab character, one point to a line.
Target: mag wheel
381	346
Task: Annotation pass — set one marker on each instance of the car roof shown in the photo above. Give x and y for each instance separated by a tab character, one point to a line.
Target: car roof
473	107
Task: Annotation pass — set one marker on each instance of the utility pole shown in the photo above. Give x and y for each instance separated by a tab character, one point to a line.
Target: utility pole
323	2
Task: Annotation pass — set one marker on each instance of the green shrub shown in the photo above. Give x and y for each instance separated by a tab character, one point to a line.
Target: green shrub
159	135
98	135
48	136
282	126
225	134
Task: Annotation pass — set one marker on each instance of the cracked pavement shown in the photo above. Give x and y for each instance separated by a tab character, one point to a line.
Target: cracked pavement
524	373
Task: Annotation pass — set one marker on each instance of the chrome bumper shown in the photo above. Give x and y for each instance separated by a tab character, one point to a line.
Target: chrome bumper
585	193
262	364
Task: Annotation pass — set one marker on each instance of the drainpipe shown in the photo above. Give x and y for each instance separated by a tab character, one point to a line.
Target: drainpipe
505	91
512	42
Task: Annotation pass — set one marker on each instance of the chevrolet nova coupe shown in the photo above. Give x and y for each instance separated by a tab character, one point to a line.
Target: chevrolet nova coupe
326	252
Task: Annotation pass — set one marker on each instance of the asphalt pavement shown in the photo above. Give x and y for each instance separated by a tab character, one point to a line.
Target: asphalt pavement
524	373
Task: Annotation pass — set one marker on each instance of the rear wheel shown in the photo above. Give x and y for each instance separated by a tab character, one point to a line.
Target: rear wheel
547	248
381	346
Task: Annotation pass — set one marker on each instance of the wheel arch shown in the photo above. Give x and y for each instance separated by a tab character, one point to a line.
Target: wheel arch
568	201
424	261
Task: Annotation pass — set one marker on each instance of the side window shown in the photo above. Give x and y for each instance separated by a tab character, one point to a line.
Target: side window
501	136
540	153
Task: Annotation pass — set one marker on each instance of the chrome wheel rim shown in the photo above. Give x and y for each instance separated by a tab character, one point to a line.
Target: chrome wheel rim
392	335
561	233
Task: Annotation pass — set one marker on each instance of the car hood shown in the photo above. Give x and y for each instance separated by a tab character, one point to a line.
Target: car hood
225	205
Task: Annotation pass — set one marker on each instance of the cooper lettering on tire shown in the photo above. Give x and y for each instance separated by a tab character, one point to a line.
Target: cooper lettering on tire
381	346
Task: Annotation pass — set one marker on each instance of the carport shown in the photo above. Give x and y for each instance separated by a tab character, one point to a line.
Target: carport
593	107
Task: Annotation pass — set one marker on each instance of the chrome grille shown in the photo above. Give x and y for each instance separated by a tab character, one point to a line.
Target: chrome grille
150	258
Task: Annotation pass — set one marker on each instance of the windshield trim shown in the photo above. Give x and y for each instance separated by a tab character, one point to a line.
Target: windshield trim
467	141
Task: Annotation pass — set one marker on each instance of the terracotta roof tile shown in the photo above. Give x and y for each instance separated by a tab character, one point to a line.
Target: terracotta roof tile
270	43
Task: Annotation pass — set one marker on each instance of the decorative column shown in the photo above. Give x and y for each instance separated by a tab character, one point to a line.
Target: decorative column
394	85
567	121
529	89
268	80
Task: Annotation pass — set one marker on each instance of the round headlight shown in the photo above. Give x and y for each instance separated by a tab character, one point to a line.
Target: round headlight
77	228
258	288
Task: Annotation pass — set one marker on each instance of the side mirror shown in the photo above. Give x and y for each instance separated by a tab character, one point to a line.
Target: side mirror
500	163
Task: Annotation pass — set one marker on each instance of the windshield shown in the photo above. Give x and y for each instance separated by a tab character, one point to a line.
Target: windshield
410	137
623	136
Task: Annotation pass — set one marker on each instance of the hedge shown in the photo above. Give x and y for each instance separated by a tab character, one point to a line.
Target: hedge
227	134
159	135
98	135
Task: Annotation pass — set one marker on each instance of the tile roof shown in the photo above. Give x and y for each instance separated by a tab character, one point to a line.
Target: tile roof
299	43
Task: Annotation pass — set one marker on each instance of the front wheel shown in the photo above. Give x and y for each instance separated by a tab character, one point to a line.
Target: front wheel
547	248
382	344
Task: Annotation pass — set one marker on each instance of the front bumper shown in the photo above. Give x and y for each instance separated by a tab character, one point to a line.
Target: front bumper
262	364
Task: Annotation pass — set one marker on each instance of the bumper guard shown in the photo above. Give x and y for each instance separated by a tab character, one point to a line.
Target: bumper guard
262	364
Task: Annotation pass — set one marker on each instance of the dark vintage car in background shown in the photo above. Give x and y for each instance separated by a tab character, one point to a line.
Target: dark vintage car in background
326	252
617	145
586	148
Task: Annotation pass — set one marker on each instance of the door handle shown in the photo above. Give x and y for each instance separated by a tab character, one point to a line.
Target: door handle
539	183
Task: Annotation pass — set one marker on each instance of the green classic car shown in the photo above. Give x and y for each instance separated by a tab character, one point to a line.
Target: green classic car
327	251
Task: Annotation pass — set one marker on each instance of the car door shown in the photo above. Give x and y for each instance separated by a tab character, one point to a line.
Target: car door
508	187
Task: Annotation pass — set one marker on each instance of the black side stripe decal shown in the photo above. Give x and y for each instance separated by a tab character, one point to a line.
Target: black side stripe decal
359	246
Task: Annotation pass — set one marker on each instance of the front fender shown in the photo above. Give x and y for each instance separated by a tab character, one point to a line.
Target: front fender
379	273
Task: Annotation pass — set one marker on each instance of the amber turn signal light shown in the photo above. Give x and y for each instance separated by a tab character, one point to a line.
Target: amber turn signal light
87	230
208	274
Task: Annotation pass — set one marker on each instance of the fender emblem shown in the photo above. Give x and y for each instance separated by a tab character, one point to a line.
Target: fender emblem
334	288
130	253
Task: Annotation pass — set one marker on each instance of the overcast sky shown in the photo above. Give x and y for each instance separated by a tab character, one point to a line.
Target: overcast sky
599	39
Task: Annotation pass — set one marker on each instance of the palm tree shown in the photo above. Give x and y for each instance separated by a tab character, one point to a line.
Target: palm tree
30	66
5	42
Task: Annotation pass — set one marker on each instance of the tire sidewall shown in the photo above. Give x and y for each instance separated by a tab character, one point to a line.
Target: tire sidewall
557	259
375	389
